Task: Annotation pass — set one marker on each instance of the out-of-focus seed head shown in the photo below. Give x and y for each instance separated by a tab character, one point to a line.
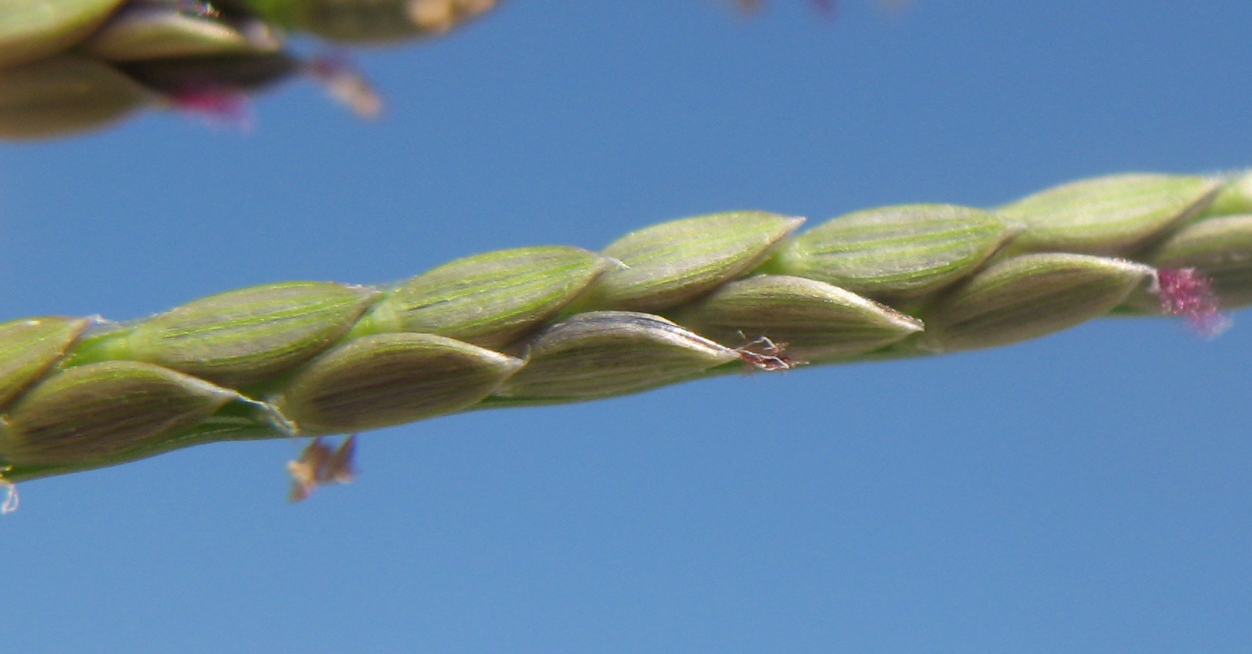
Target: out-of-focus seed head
371	21
200	8
605	353
816	320
439	16
214	88
102	411
29	347
33	29
242	336
239	74
895	252
1114	215
489	299
65	95
1029	296
163	30
665	265
390	379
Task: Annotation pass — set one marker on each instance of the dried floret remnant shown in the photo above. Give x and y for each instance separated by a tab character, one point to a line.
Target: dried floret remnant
319	465
764	354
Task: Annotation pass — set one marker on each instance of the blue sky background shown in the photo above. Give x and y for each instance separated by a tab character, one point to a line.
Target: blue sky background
1086	492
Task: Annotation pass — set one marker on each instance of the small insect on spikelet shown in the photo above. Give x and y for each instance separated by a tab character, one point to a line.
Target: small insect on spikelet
319	465
1187	292
764	354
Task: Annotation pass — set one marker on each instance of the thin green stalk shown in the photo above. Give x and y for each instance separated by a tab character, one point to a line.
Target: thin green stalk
669	303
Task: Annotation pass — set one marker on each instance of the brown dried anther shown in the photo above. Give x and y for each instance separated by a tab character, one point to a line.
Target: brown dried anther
319	465
346	83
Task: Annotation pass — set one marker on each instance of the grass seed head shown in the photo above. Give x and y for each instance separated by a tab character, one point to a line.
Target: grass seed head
816	319
1235	196
895	252
145	30
33	29
606	353
63	95
371	21
1114	215
30	347
242	336
389	379
674	262
490	299
94	412
1029	296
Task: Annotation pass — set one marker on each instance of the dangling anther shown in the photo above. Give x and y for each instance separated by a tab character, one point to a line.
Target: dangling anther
319	465
11	499
346	83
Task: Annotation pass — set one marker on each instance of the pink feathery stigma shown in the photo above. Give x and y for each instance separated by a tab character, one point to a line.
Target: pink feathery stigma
215	105
1188	293
346	83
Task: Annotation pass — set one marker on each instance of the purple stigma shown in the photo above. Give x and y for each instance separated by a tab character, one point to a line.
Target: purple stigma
1188	293
217	106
